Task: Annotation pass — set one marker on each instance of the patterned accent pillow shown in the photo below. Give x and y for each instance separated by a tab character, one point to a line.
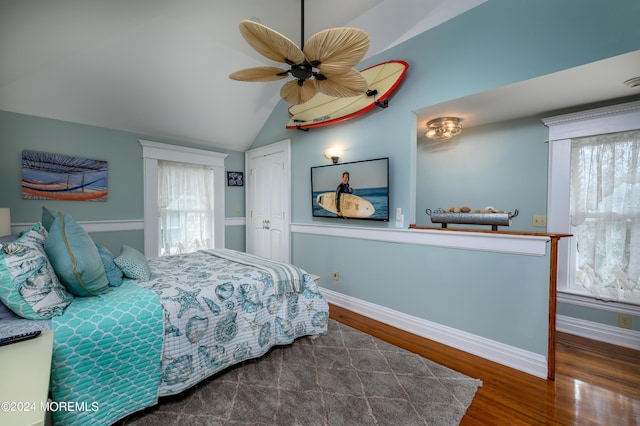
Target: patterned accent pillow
133	264
28	283
75	258
114	274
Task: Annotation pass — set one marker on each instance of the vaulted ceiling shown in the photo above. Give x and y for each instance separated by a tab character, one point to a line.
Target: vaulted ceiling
160	67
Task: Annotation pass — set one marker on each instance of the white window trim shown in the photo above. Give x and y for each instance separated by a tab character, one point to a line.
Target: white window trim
562	128
154	151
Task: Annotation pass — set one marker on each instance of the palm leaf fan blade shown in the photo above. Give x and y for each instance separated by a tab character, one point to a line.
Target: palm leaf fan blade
337	49
269	43
295	93
260	74
344	85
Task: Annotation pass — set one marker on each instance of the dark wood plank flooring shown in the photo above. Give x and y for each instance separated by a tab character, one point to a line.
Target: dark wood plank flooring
596	383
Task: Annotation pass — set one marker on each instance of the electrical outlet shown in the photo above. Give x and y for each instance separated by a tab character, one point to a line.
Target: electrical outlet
539	220
336	275
624	320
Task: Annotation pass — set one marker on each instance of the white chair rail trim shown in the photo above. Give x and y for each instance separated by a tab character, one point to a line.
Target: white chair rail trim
117	225
529	245
93	226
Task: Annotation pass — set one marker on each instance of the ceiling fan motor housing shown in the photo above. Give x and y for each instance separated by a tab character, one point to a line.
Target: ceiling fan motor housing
302	71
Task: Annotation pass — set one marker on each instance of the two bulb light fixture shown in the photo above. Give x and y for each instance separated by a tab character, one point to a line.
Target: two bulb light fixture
443	128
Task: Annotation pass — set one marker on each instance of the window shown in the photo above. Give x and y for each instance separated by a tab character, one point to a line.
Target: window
605	214
186	202
184	215
600	219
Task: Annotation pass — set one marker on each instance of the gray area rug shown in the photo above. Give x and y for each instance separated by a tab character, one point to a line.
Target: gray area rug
344	378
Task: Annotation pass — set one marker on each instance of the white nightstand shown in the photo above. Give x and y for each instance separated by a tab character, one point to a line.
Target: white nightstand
25	368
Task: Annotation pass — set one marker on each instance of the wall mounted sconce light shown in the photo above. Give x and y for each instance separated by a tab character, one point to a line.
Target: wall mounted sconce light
443	128
334	153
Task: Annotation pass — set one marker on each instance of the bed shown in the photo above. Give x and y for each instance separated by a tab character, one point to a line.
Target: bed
184	319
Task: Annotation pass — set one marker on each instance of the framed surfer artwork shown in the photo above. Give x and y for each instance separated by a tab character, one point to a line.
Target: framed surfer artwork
48	176
355	190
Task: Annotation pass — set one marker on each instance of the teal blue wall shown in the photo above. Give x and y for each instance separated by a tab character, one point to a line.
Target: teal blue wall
501	165
502	297
234	204
599	316
235	238
123	153
234	195
113	240
505	165
486	294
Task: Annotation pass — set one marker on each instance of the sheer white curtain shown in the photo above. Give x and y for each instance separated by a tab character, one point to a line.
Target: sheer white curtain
605	214
185	201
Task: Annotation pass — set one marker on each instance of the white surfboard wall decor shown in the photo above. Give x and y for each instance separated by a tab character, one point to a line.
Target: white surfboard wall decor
323	110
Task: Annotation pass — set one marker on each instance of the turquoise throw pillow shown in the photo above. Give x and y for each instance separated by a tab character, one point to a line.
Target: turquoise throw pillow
75	257
133	264
28	283
114	274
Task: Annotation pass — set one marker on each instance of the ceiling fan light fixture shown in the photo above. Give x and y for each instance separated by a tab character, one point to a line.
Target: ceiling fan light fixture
328	58
302	71
443	128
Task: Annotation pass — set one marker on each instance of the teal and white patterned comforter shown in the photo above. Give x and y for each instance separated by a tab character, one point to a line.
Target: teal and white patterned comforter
218	312
106	356
116	353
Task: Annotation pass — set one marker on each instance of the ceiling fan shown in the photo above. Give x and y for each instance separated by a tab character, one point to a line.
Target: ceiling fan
325	63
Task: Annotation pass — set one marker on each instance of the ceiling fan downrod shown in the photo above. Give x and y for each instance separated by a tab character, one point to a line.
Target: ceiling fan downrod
302	25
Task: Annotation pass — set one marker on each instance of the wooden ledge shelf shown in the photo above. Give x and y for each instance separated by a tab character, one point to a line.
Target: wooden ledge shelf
488	231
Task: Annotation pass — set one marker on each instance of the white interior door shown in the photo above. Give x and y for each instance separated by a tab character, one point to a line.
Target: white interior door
268	201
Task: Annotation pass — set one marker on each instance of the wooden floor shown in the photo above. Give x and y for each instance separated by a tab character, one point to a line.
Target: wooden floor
596	383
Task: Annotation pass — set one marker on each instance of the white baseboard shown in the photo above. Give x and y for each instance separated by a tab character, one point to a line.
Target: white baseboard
519	359
600	332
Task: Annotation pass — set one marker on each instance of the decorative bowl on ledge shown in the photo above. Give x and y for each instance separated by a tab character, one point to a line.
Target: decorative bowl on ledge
466	216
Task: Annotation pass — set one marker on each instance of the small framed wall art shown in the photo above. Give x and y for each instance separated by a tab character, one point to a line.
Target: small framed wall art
235	179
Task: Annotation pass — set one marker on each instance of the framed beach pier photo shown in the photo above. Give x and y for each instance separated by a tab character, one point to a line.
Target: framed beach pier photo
47	176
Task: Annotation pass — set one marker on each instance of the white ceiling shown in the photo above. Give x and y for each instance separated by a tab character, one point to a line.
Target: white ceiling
160	67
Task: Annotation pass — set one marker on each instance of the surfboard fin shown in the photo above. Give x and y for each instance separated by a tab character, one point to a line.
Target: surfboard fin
383	104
